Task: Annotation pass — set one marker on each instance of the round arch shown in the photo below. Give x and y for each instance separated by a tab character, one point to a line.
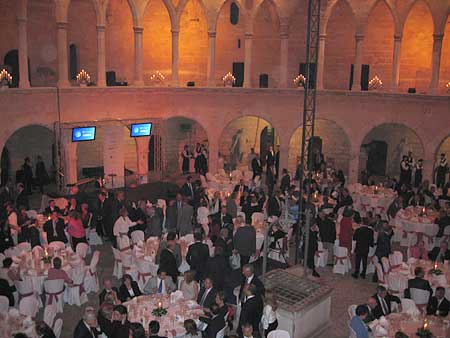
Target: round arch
329	12
334	141
384	145
28	141
240	135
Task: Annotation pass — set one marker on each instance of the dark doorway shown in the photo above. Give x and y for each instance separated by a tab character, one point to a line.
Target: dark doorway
5	165
12	61
267	139
312	73
315	152
264	81
73	61
154	153
376	158
238	73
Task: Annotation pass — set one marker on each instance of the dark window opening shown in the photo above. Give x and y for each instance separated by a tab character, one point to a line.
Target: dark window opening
234	14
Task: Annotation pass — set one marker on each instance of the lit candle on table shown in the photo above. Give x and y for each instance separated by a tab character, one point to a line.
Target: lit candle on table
45	253
159	305
425	324
435	265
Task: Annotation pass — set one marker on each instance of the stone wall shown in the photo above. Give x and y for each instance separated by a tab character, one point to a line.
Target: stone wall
90	153
444	77
297	41
9	39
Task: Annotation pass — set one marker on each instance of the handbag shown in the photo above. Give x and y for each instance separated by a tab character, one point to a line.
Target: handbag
235	261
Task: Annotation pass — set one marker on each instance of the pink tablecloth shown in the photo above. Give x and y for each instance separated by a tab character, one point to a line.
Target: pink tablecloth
13	322
409	325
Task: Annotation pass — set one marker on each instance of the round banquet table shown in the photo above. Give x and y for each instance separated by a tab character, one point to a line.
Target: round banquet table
373	198
413	220
409	324
140	310
13	322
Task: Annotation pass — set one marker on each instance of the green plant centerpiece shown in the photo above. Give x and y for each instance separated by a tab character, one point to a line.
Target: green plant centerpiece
435	270
424	332
46	258
159	311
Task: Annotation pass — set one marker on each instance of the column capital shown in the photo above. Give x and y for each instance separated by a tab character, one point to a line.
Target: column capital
359	37
284	31
100	28
211	34
322	37
175	31
22	20
398	37
248	36
438	37
138	30
61	25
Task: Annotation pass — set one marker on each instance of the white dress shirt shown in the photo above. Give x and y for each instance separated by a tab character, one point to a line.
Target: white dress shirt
122	225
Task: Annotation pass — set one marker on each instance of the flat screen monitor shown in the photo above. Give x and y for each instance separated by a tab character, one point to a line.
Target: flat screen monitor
141	129
81	134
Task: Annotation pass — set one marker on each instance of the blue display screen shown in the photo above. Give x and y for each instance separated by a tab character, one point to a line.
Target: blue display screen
141	129
83	134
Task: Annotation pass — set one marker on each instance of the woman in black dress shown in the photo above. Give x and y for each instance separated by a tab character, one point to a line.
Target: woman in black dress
185	155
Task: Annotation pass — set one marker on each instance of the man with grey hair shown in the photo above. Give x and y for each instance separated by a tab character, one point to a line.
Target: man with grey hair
244	240
88	326
249	278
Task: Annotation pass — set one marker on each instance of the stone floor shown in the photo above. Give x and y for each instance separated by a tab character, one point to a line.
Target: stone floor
346	291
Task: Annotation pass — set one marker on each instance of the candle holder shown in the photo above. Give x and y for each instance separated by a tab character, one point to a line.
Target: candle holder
83	78
447	86
5	79
228	80
375	83
157	79
300	81
47	259
159	311
424	332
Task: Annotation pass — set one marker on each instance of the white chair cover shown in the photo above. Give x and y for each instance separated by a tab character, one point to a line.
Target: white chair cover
395	259
380	274
50	314
351	311
4	304
395	283
117	270
56	245
94	238
371	260
25	288
75	294
419	296
57	328
146	269
137	236
82	250
408	306
54	290
257	218
37	251
429	235
278	334
91	276
385	264
127	264
24	247
321	257
342	263
29	306
202	215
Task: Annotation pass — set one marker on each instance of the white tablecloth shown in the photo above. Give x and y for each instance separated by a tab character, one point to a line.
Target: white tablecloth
13	322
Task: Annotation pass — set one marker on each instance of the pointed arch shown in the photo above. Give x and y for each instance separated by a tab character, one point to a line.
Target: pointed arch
410	8
329	11
242	11
134	12
392	12
258	7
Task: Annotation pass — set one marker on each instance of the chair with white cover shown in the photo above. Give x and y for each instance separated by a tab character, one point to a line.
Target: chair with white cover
127	264
123	243
57	328
409	235
146	269
395	259
91	277
321	257
75	294
54	290
37	251
371	260
4	304
408	305
429	235
395	283
420	297
137	236
50	314
82	250
202	215
94	238
24	247
385	264
56	245
380	274
29	306
25	288
351	310
342	263
117	270
278	334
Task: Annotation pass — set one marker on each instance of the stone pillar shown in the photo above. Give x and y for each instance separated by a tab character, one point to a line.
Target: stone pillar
436	63
211	70
321	61
356	85
24	81
69	153
142	158
113	155
284	57
101	57
175	56
428	166
213	160
138	62
63	69
353	169
396	63
248	60
284	158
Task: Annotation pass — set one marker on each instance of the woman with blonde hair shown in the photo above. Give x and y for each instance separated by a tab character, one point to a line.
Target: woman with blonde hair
269	317
189	286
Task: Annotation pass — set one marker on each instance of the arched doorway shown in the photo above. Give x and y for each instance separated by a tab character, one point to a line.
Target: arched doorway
30	141
333	143
383	147
178	132
242	135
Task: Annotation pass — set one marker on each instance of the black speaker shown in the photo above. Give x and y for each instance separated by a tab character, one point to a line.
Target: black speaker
263	81
411	90
314	152
190	84
111	78
312	73
365	73
238	73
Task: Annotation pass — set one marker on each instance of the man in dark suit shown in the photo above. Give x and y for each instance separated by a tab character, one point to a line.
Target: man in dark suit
364	240
171	216
88	326
384	302
153	329
197	255
215	323
247	331
22	197
51	207
168	262
270	159
438	304
440	254
107	289
274	205
54	228
102	215
241	187
187	189
251	310
217	268
256	167
223	217
248	279
384	243
418	283
285	181
244	240
277	163
327	232
184	214
207	294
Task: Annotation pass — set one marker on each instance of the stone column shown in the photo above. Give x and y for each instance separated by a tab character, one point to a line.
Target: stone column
69	151
142	159
284	158
175	56
356	85
428	166
248	60
321	60
213	152
353	170
113	155
101	57
396	63
211	70
24	81
284	57
436	63
138	62
63	69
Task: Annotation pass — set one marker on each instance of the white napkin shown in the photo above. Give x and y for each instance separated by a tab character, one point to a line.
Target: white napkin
380	331
414	312
13	312
383	321
176	296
